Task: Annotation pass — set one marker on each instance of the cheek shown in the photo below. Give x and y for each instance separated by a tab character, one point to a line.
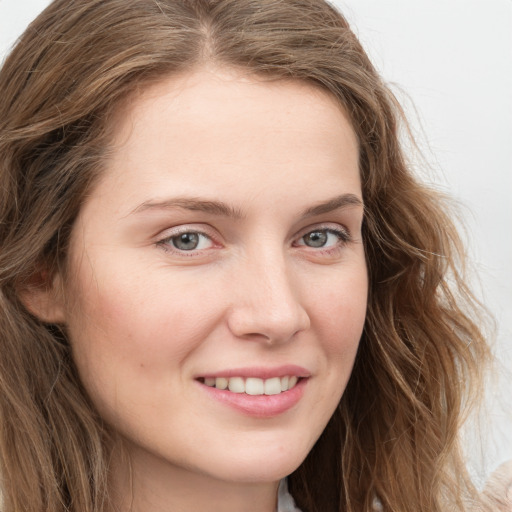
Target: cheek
139	311
126	328
339	313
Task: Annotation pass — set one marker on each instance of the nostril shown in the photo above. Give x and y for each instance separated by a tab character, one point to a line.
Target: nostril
263	324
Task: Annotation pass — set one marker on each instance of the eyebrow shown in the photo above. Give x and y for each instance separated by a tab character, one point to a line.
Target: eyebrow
193	204
336	203
225	210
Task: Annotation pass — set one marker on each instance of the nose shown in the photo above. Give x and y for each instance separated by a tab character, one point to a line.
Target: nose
266	305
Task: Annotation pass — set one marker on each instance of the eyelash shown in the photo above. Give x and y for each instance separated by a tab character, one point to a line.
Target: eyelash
344	237
166	242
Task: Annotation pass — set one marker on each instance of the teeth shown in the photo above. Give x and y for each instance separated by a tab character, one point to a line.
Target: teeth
253	385
221	383
236	385
273	386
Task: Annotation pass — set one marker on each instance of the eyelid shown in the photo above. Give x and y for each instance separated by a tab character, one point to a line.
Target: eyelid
326	253
163	240
331	227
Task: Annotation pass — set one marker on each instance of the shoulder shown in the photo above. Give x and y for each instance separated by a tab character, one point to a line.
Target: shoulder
497	494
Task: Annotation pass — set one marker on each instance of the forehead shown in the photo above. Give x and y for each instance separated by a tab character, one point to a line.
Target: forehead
208	97
209	128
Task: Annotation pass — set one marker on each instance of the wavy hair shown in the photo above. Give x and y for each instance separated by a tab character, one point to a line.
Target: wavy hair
395	432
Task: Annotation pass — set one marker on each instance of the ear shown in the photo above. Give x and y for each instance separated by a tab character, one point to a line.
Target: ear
43	296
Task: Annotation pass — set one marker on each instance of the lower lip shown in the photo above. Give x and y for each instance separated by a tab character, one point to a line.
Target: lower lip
259	406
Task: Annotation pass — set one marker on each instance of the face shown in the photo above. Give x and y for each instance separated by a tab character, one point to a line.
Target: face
221	247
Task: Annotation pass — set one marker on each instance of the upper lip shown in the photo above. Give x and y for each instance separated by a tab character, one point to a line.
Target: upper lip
259	372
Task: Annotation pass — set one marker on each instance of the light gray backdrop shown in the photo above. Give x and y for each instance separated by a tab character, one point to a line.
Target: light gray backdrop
451	65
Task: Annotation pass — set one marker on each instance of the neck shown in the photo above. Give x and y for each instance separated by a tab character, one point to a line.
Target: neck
142	482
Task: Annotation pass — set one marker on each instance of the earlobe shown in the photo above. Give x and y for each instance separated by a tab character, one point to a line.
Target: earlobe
43	296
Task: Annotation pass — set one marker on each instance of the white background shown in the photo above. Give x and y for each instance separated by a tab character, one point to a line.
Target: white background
450	63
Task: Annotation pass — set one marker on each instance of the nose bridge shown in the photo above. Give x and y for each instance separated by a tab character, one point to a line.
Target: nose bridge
267	301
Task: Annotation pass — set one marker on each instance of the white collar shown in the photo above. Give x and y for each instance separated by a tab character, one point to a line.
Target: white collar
285	501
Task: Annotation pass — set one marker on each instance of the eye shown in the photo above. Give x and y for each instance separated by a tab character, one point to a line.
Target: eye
188	241
324	238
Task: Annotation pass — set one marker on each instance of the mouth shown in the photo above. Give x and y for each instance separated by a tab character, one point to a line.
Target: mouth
257	392
253	386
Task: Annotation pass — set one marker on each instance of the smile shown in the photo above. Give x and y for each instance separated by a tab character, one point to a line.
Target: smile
260	392
252	385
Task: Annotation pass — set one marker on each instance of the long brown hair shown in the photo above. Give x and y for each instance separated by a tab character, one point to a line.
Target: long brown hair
394	434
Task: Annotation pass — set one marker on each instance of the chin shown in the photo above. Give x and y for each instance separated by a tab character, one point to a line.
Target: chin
264	466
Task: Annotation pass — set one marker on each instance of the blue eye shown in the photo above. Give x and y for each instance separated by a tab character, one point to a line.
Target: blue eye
324	238
189	241
316	239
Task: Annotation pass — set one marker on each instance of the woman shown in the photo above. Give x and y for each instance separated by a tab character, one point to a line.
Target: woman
217	270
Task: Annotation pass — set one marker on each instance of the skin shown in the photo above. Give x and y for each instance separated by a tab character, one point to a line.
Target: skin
145	318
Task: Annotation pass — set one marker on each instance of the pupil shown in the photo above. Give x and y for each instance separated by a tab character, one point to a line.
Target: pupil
316	239
186	241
